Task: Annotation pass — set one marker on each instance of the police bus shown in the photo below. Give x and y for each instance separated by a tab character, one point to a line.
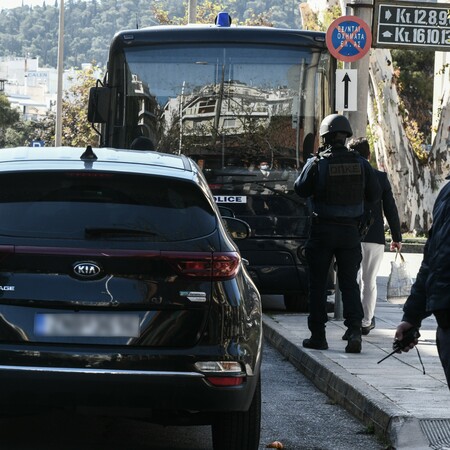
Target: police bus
246	104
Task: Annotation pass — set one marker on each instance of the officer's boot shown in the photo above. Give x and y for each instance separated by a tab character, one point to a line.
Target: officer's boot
317	341
354	340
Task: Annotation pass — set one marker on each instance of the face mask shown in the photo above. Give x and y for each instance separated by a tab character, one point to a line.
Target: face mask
264	167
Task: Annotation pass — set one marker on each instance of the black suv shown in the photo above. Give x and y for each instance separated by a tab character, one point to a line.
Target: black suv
121	289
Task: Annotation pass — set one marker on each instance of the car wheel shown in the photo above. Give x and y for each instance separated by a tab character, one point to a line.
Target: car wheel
239	430
296	302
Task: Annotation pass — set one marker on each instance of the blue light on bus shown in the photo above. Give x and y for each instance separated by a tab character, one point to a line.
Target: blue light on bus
223	19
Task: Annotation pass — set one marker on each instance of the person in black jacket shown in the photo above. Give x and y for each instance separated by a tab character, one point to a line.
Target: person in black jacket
374	241
336	182
430	293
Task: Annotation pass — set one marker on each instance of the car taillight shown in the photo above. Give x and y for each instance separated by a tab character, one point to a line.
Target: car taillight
215	266
225	265
226	381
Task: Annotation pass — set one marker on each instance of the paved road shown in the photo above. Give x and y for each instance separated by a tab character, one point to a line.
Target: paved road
294	412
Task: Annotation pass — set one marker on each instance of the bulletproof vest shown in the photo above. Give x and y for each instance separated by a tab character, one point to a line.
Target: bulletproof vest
340	190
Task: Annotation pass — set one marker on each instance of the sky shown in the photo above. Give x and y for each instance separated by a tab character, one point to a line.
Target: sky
4	4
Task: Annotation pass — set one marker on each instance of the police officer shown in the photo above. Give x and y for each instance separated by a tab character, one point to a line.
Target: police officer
337	182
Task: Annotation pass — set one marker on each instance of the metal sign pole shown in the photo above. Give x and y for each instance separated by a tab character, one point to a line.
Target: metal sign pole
60	70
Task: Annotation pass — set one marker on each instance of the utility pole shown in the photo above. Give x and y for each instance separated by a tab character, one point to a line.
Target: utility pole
60	70
358	119
192	11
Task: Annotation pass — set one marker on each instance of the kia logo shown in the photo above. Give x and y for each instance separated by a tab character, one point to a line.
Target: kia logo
86	269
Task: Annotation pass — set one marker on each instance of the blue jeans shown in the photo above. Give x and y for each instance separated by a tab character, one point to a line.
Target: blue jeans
343	242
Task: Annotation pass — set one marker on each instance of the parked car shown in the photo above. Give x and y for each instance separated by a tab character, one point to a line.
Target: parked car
122	291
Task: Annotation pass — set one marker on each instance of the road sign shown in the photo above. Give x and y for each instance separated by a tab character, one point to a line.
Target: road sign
348	38
37	143
346	89
412	24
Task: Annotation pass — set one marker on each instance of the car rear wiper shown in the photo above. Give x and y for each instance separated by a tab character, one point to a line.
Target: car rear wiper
112	231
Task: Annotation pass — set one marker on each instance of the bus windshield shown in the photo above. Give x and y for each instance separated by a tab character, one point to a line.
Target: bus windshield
248	114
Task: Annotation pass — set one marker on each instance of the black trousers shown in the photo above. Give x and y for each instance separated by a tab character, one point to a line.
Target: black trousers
343	242
443	346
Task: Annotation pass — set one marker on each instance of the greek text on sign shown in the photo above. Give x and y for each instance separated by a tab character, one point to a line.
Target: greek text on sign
230	198
348	38
412	25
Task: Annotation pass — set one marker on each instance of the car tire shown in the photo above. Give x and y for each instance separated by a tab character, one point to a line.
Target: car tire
296	302
239	430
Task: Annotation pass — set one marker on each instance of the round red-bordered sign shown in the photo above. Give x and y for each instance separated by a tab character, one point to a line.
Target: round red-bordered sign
348	38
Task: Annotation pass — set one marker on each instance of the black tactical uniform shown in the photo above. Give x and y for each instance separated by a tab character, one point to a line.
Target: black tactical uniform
337	182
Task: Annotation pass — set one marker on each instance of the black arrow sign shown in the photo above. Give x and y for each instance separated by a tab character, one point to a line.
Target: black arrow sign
346	81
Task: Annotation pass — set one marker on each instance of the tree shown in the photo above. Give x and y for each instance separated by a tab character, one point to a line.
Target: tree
76	129
413	70
416	179
21	133
8	116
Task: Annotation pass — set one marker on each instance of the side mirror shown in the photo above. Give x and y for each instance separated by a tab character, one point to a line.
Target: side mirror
237	228
226	212
99	104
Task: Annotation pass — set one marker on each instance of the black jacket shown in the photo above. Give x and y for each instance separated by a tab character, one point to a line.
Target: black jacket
431	290
306	185
384	207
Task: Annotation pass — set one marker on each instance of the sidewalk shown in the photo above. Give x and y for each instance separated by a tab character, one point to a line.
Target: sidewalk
409	409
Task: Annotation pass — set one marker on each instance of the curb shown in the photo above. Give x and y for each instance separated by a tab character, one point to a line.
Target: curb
389	422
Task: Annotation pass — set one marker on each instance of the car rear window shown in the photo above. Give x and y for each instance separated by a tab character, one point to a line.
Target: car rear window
102	205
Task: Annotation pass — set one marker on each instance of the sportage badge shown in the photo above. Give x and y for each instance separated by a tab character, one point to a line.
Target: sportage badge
86	269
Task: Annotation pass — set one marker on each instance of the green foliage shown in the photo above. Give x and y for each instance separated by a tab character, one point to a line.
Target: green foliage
8	117
15	132
372	138
21	134
414	74
329	16
76	129
313	22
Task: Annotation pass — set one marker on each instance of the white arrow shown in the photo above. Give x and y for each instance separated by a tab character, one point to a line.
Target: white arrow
388	15
387	34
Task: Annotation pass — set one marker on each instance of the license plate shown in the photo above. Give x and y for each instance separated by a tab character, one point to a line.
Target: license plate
80	324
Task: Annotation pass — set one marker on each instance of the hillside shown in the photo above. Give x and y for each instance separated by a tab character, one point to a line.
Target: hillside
91	24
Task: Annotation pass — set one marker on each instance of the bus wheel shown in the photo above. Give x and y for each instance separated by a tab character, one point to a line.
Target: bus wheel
296	302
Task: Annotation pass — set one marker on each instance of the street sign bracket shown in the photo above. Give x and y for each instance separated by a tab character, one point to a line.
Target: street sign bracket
360	5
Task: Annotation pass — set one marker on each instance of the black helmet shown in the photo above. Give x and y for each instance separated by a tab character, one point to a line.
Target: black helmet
335	123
